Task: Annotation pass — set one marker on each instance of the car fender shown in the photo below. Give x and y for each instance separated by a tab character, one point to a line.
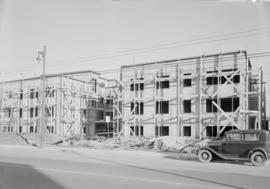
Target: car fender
212	151
258	149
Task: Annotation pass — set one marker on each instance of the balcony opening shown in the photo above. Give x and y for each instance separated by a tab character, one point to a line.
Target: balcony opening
162	107
162	131
211	81
99	115
210	107
31	129
138	108
163	84
32	93
187	106
187	82
36	111
21	112
215	80
187	131
21	94
138	86
31	112
136	131
211	131
229	104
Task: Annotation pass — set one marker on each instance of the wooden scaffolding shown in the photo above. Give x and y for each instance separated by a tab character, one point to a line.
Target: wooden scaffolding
244	84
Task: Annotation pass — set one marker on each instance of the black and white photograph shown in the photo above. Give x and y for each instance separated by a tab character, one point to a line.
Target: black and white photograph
134	94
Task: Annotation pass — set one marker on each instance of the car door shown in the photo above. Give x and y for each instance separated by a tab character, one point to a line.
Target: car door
231	147
249	141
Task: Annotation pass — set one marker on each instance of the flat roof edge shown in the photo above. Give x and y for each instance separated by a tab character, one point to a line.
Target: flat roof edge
51	75
185	58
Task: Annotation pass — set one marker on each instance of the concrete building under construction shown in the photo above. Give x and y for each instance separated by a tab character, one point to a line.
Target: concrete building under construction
76	103
195	97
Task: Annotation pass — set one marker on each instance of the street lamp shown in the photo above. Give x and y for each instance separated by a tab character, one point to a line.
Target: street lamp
42	108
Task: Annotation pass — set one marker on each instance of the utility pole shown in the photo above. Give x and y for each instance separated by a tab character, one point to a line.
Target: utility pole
108	119
42	107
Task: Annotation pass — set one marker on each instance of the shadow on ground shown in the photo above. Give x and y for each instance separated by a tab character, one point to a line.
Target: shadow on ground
191	157
179	156
13	176
220	184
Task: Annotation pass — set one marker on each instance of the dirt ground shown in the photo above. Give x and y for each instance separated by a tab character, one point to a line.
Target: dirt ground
161	144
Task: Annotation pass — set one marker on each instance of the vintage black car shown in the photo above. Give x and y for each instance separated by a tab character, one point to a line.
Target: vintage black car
240	145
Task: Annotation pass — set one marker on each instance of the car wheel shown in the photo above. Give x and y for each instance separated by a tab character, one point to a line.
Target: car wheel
205	156
258	159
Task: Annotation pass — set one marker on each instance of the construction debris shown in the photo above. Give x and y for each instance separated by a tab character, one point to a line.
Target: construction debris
34	138
172	144
162	144
11	139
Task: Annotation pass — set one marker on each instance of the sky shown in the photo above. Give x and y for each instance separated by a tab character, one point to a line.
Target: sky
102	34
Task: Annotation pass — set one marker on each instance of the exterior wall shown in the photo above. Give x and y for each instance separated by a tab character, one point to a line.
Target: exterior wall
15	97
67	101
198	69
77	102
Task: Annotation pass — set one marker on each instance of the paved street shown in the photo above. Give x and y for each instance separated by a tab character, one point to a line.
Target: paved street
59	168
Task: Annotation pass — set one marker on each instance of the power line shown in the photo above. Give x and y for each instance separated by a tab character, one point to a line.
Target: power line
186	62
254	55
157	49
154	48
